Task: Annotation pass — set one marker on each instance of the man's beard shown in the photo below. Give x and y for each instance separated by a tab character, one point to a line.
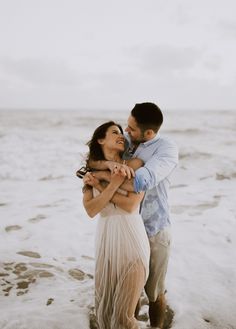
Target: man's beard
138	141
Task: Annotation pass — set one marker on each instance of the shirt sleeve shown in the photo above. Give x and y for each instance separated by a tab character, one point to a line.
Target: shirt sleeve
158	167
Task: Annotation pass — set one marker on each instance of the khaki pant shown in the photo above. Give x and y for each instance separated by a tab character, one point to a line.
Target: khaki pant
159	257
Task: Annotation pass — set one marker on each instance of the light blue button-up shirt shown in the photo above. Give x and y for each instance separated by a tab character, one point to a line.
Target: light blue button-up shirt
160	157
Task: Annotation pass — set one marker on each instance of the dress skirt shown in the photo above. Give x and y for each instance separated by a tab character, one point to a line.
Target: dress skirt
122	266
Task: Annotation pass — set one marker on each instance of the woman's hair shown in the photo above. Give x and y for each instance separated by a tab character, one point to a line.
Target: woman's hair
95	150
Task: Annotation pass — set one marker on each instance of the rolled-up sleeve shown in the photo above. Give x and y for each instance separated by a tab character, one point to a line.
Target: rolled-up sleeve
160	165
142	179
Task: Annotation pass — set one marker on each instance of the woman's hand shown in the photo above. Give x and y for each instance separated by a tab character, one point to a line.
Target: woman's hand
125	170
117	178
90	179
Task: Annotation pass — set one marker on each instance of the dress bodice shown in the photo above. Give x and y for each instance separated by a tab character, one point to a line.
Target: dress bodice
112	209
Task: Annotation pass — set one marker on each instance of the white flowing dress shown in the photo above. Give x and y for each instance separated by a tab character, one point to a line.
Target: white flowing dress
122	267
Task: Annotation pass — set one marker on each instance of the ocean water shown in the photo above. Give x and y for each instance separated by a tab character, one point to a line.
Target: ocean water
41	212
36	145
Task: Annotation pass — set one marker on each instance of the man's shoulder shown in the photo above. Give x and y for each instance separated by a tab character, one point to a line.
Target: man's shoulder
165	141
165	145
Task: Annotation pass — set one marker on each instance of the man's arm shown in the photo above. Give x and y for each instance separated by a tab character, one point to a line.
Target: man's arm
158	167
111	165
128	184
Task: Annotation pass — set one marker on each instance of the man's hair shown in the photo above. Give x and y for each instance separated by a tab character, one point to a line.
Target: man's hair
147	116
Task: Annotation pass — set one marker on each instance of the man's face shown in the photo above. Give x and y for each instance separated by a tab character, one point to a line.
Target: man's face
134	131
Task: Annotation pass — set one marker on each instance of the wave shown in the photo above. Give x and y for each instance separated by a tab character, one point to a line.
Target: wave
195	155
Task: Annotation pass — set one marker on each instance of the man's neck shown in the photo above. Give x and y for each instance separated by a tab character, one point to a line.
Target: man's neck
146	139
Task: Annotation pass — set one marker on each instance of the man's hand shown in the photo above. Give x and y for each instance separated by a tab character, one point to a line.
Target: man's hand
125	170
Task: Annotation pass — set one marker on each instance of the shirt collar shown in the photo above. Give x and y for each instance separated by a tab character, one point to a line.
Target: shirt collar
130	146
151	141
145	144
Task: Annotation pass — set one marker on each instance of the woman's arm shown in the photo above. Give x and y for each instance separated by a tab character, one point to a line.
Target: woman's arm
130	201
93	205
105	165
133	164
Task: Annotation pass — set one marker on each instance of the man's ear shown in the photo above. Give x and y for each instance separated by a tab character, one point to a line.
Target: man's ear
148	134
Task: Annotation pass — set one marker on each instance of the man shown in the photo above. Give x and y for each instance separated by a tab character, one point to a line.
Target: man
160	157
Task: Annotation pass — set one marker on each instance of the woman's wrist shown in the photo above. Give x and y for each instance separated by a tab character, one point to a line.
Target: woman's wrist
112	187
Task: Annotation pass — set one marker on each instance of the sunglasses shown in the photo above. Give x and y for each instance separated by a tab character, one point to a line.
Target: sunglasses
82	171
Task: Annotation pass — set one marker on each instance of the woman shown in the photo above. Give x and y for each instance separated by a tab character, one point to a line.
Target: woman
122	247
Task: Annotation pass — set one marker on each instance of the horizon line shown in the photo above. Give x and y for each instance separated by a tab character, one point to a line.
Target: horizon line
106	109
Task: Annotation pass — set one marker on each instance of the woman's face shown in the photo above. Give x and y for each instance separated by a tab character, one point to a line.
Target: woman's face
114	139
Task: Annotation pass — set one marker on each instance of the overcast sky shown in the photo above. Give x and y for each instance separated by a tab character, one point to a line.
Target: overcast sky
105	54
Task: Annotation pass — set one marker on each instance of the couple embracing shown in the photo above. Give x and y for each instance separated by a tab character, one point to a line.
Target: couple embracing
127	183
